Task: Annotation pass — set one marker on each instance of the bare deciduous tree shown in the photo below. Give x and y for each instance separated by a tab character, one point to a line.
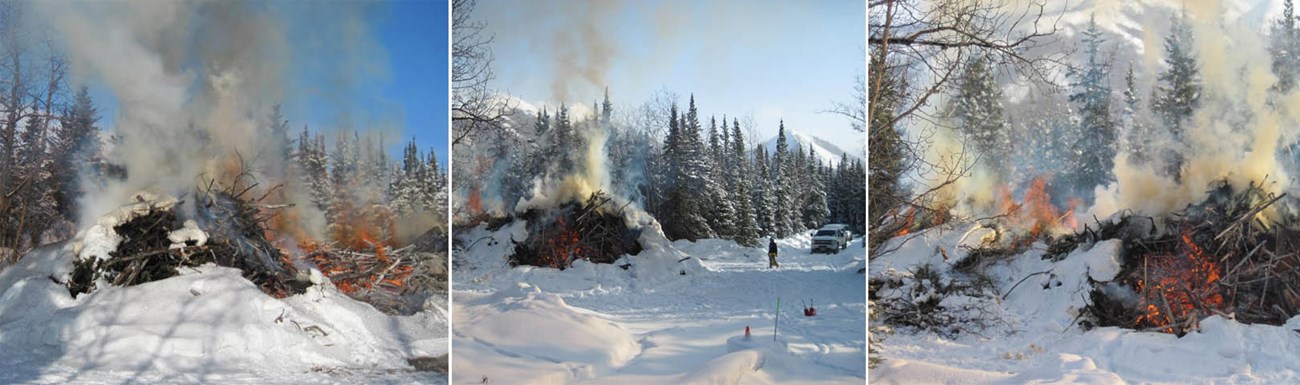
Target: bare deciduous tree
474	107
916	49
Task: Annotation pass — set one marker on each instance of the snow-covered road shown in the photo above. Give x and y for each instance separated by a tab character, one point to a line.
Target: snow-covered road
652	325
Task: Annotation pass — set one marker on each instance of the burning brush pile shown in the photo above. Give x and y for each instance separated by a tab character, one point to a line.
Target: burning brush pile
594	230
1231	255
155	237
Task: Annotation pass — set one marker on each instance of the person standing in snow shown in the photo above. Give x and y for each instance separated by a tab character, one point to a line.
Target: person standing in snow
771	253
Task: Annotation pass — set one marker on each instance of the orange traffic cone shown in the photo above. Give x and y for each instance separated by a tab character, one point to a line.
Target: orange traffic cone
746	331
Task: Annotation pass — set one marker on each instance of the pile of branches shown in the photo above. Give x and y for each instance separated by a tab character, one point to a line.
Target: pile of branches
1219	257
593	230
236	239
394	281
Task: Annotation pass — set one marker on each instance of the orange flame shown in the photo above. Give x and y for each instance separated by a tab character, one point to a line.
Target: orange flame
907	223
563	246
1036	213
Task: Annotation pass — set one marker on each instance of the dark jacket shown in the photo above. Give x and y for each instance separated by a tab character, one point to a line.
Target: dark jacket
771	246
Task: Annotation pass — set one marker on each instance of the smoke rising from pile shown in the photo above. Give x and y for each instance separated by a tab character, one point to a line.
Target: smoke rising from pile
195	84
582	53
1234	134
589	176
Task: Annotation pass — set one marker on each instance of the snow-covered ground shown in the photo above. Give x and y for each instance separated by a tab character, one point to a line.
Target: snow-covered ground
1030	334
650	324
207	325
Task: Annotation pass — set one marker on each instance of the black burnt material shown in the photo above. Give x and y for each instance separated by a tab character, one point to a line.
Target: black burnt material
594	230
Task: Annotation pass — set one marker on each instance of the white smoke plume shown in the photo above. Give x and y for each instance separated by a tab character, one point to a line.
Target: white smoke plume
195	82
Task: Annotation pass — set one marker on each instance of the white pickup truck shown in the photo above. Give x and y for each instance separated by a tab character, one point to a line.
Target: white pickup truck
831	238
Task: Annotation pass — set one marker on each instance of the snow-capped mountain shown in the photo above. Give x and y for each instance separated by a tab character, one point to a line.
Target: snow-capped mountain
829	153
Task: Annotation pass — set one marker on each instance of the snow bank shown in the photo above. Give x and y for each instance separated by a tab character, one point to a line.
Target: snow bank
208	319
101	239
528	320
1034	337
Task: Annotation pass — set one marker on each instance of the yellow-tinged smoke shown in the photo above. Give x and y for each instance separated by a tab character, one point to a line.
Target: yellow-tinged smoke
590	175
1233	135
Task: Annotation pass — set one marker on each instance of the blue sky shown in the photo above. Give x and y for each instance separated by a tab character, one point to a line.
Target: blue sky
415	34
396	82
766	58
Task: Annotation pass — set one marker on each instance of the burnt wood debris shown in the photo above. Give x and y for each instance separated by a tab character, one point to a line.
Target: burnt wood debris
1234	255
394	281
594	230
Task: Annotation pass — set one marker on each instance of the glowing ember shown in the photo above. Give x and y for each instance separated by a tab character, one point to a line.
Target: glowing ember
1181	288
563	246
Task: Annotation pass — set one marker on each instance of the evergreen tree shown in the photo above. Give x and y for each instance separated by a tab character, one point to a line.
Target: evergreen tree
1095	150
722	215
783	204
1179	91
75	150
762	194
978	109
815	209
606	108
1283	48
278	132
746	228
406	194
1136	136
692	174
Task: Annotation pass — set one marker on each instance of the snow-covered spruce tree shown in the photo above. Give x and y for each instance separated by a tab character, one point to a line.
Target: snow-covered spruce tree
606	109
1136	138
313	168
1283	46
978	110
34	207
277	130
1284	50
1178	93
75	150
692	180
815	209
722	215
342	210
761	194
406	194
746	228
798	182
373	169
433	185
1094	152
784	205
838	192
667	166
564	142
857	197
